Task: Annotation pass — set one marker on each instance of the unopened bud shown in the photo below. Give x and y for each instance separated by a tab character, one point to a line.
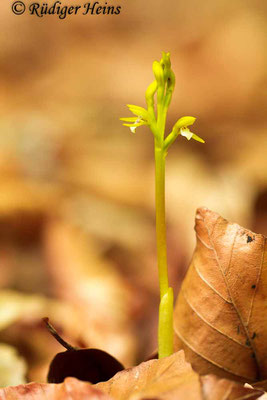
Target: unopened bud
166	60
150	92
158	72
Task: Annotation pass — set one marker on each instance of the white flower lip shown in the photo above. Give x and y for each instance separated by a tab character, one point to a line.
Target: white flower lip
186	133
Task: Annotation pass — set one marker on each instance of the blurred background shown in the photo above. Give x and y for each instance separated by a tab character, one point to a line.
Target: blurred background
77	228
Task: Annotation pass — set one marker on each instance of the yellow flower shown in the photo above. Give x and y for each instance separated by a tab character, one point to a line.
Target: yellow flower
181	127
141	117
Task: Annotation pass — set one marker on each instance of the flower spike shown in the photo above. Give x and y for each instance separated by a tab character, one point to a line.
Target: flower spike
158	98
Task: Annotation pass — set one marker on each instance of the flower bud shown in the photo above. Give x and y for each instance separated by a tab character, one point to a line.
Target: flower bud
169	89
166	60
171	81
150	92
158	72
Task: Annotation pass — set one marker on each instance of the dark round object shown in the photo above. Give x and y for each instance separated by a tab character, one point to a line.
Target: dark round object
90	365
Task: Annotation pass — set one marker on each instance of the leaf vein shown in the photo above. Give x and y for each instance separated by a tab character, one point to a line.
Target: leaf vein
209	360
258	278
203	242
209	324
208	284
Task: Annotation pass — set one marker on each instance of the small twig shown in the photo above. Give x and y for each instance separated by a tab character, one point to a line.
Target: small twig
57	336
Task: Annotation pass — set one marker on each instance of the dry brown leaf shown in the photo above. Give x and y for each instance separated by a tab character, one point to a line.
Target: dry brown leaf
170	378
71	388
223	389
163	379
220	313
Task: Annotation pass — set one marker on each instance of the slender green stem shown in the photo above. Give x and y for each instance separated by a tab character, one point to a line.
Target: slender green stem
165	328
160	219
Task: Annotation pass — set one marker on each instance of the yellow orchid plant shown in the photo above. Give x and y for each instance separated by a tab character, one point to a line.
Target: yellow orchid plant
155	117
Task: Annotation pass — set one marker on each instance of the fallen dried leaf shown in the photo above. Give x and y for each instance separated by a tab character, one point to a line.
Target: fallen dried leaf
164	378
70	389
219	316
223	389
170	378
